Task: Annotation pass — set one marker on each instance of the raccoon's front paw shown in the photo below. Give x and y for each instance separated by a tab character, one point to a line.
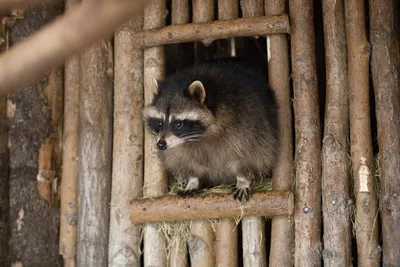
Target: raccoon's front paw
242	194
186	193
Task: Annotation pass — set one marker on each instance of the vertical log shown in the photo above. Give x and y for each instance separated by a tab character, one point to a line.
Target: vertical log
127	181
254	247
335	175
50	158
68	203
201	246
95	154
385	73
203	11
178	252
4	166
155	180
360	138
252	8
226	249
307	212
282	234
253	228
228	9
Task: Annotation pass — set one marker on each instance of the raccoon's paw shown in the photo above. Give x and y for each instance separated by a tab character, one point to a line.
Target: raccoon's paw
242	194
186	193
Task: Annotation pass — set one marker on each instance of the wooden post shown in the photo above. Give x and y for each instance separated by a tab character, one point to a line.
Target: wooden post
252	8
253	228
282	234
335	169
50	152
155	180
201	245
68	203
226	241
127	181
179	16
95	155
384	36
360	142
307	212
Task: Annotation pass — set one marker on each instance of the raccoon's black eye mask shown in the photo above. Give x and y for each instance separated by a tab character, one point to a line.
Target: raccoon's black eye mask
155	125
187	128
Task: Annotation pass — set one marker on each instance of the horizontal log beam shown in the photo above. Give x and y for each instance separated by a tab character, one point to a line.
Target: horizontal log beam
165	209
210	31
12	4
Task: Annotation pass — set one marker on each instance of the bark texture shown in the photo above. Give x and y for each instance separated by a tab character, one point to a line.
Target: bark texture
57	41
155	180
127	181
95	155
68	189
195	208
208	32
308	136
34	223
385	66
335	168
282	235
252	8
226	251
360	134
50	152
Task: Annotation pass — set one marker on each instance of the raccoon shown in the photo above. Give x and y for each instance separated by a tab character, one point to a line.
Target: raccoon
216	123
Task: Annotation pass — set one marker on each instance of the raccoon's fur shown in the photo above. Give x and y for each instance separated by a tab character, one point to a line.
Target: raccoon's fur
216	123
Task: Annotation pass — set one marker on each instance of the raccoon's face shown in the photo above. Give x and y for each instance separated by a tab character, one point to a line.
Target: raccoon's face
178	116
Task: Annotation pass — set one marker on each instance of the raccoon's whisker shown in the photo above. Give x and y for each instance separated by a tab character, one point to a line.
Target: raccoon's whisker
191	134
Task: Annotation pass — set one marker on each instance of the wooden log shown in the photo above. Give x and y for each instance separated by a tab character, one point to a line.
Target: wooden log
307	212
68	189
95	155
253	228
254	247
179	15
385	66
161	209
335	168
50	152
208	32
252	8
155	180
360	143
226	251
201	244
282	234
66	36
202	254
127	180
68	202
226	241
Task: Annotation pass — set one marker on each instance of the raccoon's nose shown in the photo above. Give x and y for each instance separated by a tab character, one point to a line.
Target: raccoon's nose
162	145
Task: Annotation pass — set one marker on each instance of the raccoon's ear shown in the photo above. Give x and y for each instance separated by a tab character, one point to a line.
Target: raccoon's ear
156	85
197	91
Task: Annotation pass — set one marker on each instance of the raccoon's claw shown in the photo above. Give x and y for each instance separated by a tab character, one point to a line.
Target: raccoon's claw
242	194
186	193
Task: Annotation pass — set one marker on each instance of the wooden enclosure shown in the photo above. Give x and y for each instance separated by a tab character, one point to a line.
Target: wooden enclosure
81	183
